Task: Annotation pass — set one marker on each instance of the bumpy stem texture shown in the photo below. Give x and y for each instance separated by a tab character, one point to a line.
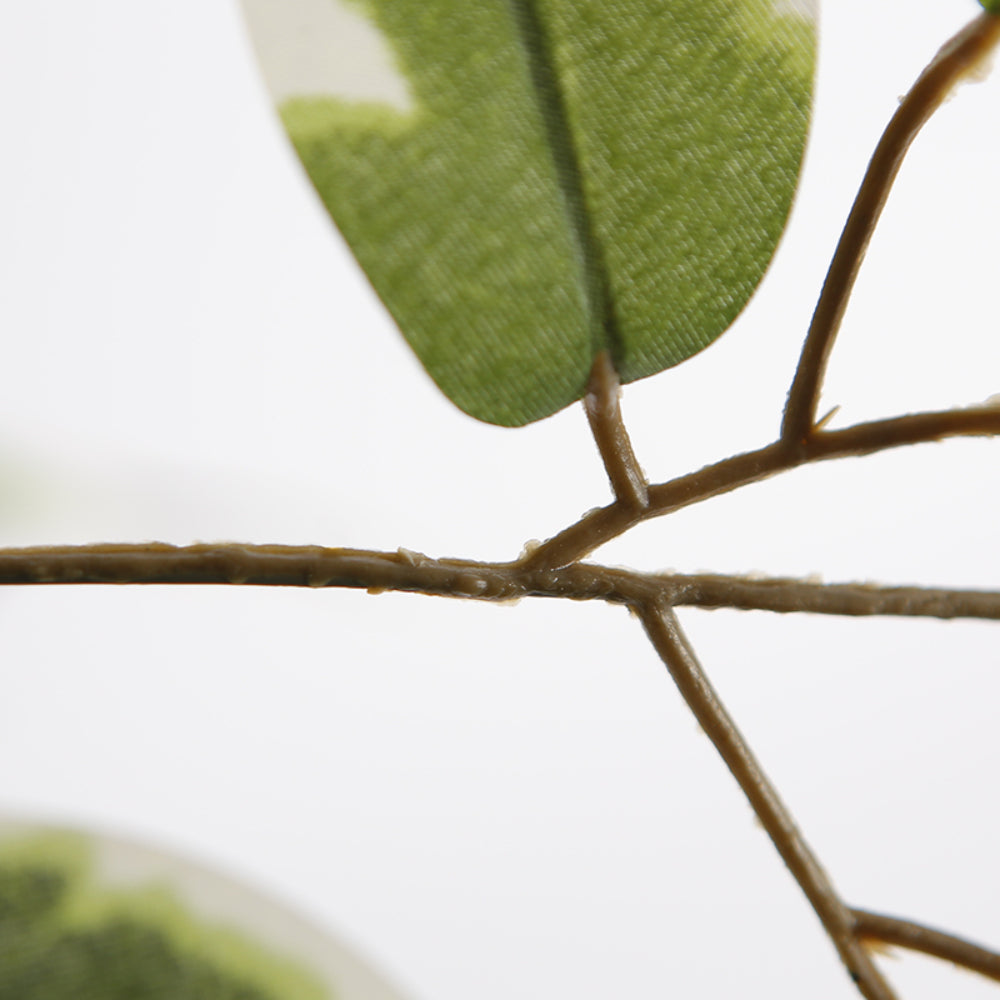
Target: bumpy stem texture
413	572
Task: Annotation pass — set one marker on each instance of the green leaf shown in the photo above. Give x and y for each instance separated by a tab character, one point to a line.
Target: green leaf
85	917
544	179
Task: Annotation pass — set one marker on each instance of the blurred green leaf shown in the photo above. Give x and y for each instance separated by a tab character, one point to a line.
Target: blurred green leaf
564	176
68	931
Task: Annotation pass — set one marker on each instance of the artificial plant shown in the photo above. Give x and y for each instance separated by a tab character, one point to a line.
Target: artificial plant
563	238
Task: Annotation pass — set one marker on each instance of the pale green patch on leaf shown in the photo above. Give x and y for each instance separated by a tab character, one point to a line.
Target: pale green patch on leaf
71	930
565	176
324	47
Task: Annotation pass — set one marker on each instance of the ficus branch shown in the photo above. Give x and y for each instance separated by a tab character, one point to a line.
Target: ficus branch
412	572
958	58
554	569
670	642
918	937
606	523
849	929
800	440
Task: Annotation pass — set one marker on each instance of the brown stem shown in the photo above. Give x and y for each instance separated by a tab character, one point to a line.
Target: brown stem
670	642
602	404
609	522
852	599
404	571
312	566
258	565
917	937
959	57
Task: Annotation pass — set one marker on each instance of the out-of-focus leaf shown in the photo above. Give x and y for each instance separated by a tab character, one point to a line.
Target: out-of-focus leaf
92	917
529	182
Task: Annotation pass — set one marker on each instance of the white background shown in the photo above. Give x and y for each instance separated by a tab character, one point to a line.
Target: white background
490	802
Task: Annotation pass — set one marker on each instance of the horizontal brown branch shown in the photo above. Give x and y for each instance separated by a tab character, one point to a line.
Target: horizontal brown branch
258	565
850	599
314	566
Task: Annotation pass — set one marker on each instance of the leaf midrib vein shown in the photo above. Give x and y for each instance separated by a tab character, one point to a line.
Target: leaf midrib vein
604	331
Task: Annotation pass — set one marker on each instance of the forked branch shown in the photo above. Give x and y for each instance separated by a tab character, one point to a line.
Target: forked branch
411	572
797	443
670	642
958	58
554	568
918	937
606	523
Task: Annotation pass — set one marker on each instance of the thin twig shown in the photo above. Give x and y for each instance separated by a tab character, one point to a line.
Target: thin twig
850	599
410	572
917	937
670	642
959	57
258	565
602	404
605	523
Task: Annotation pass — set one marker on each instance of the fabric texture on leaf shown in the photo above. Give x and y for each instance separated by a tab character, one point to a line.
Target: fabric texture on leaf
569	176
